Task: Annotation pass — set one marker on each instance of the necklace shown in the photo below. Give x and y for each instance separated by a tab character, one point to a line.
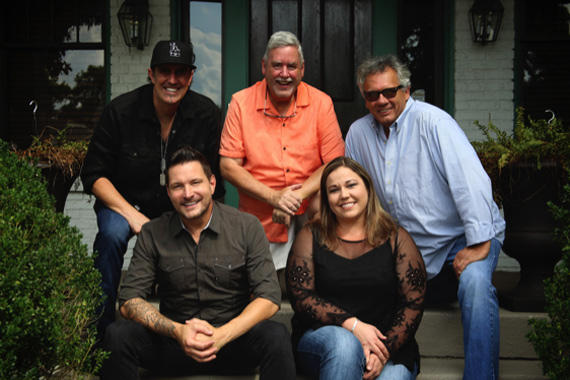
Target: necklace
163	149
351	241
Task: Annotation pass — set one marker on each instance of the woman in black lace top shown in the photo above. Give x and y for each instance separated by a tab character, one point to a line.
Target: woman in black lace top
356	282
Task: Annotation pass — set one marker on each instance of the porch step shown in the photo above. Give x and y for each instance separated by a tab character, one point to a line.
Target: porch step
440	338
452	369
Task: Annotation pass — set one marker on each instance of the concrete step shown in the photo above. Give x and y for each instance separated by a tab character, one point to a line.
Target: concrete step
440	338
452	369
440	334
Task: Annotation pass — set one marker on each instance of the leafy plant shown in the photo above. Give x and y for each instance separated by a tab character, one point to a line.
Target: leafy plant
49	289
57	151
531	141
551	337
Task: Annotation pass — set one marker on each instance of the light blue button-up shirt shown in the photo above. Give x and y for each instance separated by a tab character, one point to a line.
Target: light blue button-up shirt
429	178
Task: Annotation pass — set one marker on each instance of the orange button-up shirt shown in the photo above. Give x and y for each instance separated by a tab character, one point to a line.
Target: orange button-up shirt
280	152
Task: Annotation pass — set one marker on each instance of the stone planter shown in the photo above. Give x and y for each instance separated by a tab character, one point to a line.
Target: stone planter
530	227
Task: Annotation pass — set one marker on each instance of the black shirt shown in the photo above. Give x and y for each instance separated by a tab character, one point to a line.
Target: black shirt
381	286
126	146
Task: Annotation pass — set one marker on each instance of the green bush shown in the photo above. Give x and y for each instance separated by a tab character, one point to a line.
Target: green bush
551	337
49	289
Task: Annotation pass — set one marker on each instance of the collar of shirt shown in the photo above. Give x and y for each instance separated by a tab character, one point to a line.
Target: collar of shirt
213	223
396	126
148	112
302	96
205	227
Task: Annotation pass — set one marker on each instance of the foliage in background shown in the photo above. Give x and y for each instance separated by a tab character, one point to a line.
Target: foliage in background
531	141
49	289
57	151
551	337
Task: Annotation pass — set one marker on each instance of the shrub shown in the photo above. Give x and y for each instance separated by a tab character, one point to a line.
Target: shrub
49	289
551	337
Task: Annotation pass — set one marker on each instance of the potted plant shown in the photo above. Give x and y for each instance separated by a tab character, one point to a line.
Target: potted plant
49	287
527	169
60	160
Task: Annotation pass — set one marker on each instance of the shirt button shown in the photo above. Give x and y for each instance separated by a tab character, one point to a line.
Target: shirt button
390	202
284	148
389	182
287	170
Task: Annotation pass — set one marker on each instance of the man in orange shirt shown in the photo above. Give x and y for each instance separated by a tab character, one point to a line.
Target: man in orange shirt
277	137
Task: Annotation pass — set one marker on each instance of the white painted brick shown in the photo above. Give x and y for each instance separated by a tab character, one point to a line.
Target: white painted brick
484	76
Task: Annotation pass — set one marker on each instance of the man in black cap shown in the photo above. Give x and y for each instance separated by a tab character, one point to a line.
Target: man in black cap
126	160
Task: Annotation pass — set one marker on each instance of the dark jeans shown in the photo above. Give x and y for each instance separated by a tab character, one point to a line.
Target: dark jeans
132	346
110	244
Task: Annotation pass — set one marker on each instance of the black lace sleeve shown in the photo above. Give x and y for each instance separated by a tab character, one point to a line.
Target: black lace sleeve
412	279
300	280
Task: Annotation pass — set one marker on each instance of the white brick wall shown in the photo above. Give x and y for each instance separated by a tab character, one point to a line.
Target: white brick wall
129	66
484	74
483	88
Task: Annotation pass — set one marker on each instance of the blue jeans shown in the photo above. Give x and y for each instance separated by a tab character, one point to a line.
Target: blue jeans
332	352
479	309
267	345
110	245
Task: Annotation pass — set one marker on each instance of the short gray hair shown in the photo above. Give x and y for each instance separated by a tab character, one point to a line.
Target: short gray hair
380	64
280	39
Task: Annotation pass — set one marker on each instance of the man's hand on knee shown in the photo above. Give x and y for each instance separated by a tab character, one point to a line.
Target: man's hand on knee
469	255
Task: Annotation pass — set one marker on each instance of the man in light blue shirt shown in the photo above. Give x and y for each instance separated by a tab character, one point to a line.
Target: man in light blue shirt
429	178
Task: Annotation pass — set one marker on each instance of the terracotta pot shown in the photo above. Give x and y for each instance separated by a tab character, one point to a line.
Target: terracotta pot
530	237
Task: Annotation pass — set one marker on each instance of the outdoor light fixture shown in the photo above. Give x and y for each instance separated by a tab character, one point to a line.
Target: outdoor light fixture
485	19
136	22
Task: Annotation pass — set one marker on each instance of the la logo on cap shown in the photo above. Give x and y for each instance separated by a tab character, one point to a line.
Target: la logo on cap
174	50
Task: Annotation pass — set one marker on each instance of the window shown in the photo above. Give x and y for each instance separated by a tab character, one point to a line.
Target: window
543	50
53	55
205	32
421	47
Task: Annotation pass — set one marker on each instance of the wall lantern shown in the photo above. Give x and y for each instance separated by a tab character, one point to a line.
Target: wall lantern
136	22
485	19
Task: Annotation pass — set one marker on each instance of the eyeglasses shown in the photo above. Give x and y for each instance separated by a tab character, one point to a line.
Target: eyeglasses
388	93
279	116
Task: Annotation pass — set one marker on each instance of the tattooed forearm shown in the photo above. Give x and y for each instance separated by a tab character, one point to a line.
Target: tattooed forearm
144	313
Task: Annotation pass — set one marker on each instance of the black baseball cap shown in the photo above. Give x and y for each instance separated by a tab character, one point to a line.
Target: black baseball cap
173	52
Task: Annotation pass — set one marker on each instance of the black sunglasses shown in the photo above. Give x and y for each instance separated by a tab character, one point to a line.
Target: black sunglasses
388	93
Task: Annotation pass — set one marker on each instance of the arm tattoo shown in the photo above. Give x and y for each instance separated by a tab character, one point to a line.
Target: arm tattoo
144	313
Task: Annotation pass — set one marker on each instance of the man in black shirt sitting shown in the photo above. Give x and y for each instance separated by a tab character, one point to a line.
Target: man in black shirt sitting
217	286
